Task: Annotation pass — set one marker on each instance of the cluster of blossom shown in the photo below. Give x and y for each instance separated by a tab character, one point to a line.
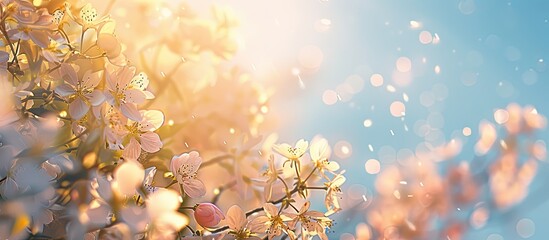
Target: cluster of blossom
418	201
81	153
223	100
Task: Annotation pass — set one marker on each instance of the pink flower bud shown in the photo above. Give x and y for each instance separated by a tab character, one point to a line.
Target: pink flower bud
208	215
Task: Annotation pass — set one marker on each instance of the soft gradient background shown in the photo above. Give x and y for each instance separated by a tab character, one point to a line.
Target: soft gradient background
490	53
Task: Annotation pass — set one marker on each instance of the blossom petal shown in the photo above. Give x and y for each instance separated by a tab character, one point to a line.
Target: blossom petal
150	142
283	149
270	209
135	96
65	90
96	98
132	150
91	79
68	74
78	108
130	111
152	120
236	218
40	38
194	188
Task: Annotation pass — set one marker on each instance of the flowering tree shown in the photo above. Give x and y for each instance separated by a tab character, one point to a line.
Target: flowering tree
85	153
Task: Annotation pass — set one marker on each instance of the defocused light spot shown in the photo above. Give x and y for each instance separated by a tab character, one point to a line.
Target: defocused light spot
415	24
363	231
466	131
469	78
501	116
435	120
425	37
440	91
405	97
166	12
323	25
355	82
343	149
372	166
529	77
525	228
437	69
346	236
494	236
403	64
512	53
368	123
467	6
344	92
427	99
170	122
397	109
264	109
436	39
390	88
479	218
63	114
387	154
310	57
405	156
505	89
329	97
402	79
376	80
295	71
474	58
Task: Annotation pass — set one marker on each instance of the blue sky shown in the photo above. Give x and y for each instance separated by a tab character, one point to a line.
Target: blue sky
501	44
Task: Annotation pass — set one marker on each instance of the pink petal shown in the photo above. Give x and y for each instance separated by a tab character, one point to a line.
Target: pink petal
96	98
91	80
65	90
130	110
194	161
236	218
125	75
134	96
150	142
69	74
194	188
78	108
132	150
40	38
